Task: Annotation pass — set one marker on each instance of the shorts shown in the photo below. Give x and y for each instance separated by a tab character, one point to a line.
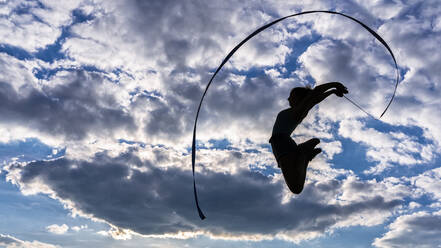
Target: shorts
282	144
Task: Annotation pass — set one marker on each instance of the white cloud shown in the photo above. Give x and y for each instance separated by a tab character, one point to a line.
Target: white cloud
57	229
382	9
17	72
190	41
429	182
387	148
390	188
8	241
35	28
117	233
416	41
79	228
56	13
413	205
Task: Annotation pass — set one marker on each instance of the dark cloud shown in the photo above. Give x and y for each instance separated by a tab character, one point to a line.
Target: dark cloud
248	105
171	119
250	99
416	230
161	201
73	109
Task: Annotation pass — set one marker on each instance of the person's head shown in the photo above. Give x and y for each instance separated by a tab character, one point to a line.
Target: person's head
297	94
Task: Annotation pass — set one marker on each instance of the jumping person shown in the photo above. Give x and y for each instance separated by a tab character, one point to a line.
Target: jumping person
293	159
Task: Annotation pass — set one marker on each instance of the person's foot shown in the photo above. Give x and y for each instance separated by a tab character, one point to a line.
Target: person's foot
310	144
315	141
314	153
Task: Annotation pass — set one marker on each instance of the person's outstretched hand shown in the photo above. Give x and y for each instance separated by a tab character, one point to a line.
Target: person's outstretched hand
341	90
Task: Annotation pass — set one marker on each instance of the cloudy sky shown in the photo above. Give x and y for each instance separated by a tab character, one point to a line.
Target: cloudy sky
98	99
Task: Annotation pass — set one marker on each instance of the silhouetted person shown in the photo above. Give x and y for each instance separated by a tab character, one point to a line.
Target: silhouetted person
293	159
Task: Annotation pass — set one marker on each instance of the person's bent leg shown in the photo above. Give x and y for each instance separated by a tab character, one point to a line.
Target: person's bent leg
314	153
293	167
308	148
310	144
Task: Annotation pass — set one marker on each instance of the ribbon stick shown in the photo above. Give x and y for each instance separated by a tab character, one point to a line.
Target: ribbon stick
378	37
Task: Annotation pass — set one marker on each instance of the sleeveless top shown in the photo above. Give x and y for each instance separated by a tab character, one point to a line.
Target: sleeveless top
285	123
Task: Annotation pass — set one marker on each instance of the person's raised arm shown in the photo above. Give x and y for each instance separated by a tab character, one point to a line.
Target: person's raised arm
325	87
322	96
320	93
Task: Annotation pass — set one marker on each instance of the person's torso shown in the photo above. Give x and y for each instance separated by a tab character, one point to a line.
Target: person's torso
287	120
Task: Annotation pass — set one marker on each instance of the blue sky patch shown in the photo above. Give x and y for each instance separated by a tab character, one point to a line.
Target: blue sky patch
28	150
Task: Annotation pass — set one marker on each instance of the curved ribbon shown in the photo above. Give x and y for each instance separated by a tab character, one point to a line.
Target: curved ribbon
193	151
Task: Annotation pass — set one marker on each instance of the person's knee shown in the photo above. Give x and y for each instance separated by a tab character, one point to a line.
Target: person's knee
285	161
296	189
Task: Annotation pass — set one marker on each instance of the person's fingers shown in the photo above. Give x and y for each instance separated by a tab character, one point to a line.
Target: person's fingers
343	89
